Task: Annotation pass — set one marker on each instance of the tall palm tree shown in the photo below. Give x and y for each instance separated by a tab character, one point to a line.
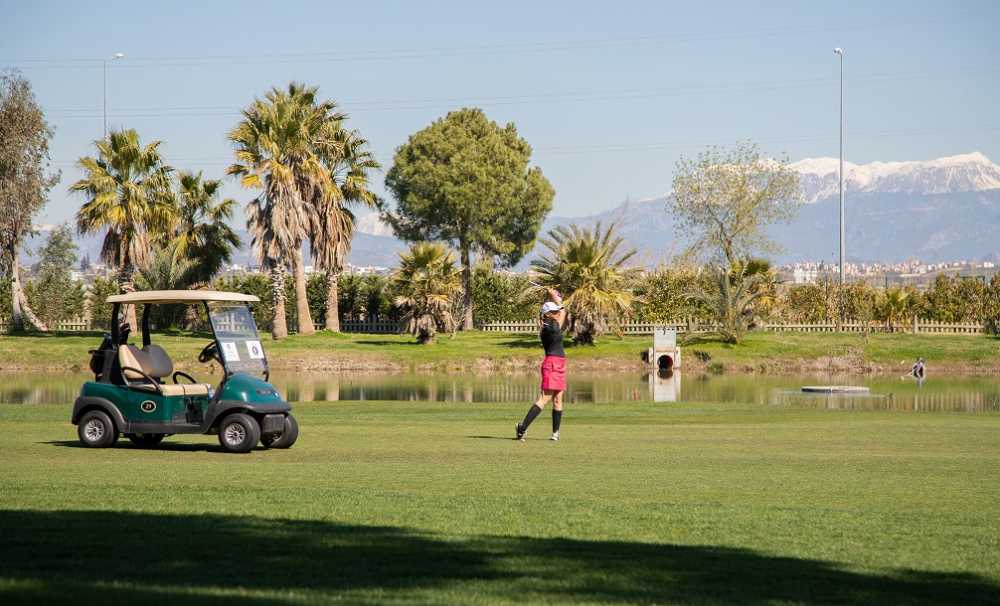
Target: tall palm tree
201	232
276	152
427	281
589	268
349	161
128	192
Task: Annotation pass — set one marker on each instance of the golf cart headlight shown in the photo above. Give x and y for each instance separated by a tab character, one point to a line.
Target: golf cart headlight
211	392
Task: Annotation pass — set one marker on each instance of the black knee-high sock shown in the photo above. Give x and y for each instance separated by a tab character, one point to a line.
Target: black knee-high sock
556	419
533	412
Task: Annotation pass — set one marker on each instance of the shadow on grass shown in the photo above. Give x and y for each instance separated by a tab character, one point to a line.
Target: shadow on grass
111	557
211	445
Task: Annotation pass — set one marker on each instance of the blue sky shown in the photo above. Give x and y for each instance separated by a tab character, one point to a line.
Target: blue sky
608	94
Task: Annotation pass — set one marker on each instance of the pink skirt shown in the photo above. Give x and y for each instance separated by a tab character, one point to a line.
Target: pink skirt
554	373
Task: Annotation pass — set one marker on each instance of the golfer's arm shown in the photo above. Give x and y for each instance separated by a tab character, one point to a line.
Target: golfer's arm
561	317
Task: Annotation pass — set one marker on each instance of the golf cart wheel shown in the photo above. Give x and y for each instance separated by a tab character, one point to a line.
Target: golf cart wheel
97	430
239	433
285	438
145	440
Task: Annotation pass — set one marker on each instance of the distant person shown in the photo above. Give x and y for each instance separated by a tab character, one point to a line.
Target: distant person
553	316
919	369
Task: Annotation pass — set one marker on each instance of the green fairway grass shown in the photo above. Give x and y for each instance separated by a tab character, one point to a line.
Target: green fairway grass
761	351
392	502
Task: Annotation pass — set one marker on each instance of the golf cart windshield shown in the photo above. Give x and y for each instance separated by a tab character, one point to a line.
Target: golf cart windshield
236	335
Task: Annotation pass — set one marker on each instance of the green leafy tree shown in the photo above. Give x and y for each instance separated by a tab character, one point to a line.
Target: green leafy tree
665	295
589	268
202	234
53	294
378	299
24	184
726	200
279	145
350	163
497	296
426	283
128	193
351	292
98	310
466	180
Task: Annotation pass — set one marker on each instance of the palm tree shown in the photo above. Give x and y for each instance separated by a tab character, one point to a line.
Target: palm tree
128	192
349	161
895	302
427	282
276	152
201	232
731	294
588	267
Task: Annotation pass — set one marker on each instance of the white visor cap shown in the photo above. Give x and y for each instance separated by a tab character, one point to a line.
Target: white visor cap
550	306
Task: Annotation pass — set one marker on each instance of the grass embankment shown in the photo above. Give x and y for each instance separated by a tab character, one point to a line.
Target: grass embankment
434	503
479	351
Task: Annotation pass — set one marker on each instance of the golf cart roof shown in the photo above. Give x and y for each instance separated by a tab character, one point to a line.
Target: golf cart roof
181	296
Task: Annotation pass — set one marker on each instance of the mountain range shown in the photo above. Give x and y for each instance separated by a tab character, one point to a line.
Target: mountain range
934	210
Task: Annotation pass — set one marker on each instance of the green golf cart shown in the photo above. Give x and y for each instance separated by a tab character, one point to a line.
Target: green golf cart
137	392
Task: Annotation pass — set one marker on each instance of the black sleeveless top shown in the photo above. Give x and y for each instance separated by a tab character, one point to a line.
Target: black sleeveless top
552	339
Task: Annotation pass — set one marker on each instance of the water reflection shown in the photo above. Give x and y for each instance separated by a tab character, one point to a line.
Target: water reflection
665	385
964	394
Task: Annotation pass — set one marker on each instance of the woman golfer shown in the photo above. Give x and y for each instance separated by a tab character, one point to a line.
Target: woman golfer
553	367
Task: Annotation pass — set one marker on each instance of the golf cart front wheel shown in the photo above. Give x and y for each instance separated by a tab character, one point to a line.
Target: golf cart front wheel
145	440
285	438
97	430
239	433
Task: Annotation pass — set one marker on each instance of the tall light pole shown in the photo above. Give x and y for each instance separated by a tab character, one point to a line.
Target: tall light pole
114	57
840	53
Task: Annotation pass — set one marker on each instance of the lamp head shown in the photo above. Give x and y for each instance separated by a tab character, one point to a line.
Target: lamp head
839	51
119	56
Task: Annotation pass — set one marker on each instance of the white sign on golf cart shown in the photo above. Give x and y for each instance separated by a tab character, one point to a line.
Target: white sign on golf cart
230	352
255	350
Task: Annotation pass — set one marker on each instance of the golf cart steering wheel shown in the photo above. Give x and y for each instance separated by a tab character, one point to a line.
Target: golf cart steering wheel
208	353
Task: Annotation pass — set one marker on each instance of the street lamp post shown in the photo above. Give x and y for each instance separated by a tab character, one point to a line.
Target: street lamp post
114	57
840	53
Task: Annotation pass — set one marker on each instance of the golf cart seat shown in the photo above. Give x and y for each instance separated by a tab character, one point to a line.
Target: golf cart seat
154	364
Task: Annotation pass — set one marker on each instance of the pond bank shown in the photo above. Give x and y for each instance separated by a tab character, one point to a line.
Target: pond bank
478	352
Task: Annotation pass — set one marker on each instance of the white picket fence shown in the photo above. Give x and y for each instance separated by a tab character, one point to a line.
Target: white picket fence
71	325
914	326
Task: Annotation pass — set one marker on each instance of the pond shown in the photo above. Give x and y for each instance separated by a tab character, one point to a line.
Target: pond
943	394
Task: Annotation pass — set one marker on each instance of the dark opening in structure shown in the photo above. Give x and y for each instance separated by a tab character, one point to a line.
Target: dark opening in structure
665	362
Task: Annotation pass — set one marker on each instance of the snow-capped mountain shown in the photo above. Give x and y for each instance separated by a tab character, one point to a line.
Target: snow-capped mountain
967	172
370	224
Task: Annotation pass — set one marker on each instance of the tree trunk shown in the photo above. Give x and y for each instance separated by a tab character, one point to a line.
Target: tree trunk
279	327
125	286
306	326
332	302
466	287
19	303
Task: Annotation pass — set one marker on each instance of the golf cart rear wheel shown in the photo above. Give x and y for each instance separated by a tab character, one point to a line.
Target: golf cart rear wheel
145	440
97	430
285	438
239	433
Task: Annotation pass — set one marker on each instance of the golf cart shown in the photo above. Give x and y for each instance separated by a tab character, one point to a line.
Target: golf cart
131	395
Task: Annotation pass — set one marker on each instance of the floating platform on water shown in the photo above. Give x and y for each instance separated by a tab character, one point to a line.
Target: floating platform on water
835	389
